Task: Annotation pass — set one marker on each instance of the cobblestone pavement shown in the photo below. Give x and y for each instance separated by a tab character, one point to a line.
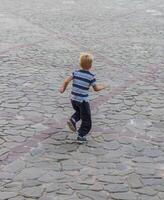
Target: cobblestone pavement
40	42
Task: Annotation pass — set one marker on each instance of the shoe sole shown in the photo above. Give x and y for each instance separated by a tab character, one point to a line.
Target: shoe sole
71	127
81	142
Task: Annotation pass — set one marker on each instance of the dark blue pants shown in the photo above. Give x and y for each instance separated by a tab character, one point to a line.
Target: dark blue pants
83	113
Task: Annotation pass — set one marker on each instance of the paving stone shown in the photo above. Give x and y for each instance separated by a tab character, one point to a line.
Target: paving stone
141	103
64	191
98	152
64	149
6	175
51	187
30	173
125	140
114	145
116	188
104	165
3	151
93	144
27	133
32	192
86	180
144	197
3	122
160	159
58	157
31	183
161	195
13	185
139	145
96	187
99	139
109	137
31	114
15	138
49	177
153	153
115	101
1	141
143	159
129	151
123	172
120	117
21	122
77	186
134	181
60	136
49	197
159	188
110	179
145	171
136	108
152	182
110	158
39	127
17	198
11	132
146	191
94	195
129	102
15	166
70	166
7	195
47	164
124	196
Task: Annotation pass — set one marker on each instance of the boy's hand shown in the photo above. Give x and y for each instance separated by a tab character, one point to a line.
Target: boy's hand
99	87
61	90
103	86
65	84
107	86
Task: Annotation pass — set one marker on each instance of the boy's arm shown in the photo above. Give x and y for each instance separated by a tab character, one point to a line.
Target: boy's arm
65	84
98	87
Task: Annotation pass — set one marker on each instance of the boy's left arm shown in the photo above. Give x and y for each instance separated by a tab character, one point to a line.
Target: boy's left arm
65	84
99	87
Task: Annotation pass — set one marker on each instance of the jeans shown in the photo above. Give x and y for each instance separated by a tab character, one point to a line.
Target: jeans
83	113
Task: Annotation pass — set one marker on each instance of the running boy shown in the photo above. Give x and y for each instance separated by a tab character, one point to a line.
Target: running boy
82	80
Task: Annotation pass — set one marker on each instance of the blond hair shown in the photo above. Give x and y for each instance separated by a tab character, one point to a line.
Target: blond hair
86	60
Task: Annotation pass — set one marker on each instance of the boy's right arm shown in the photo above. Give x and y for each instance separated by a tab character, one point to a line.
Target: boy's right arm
65	84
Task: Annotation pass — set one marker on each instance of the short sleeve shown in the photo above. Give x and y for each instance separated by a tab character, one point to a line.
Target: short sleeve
72	74
93	81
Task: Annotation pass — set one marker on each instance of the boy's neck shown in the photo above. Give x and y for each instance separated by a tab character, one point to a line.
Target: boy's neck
85	69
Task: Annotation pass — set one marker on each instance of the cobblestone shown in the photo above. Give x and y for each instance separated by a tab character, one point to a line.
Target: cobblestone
7	195
40	45
134	181
32	192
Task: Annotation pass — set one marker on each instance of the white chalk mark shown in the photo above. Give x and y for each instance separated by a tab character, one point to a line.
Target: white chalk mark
19	117
68	2
154	12
27	84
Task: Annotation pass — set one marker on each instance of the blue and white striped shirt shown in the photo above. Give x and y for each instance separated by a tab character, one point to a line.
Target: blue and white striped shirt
82	80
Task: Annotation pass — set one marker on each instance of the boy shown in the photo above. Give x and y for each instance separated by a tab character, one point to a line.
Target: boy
82	80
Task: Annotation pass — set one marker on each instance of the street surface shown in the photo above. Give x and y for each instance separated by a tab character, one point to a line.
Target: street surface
40	43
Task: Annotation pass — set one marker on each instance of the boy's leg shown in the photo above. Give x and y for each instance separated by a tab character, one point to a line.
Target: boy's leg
85	115
76	106
75	117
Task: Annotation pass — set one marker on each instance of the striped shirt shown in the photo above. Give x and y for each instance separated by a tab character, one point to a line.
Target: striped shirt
82	80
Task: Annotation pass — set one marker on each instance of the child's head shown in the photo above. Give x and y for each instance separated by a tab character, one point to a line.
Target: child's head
86	60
